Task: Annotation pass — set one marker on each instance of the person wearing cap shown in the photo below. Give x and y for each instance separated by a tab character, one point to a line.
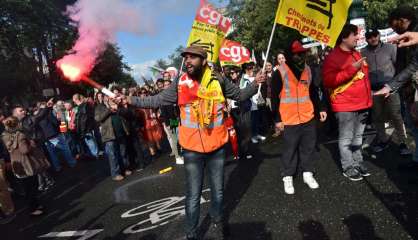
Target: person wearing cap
346	76
295	101
381	58
200	94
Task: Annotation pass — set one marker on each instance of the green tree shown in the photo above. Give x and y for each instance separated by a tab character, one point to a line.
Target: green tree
162	64
378	11
110	68
252	24
175	58
34	34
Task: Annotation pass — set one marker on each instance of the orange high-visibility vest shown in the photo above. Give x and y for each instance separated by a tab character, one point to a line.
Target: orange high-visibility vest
192	136
63	127
295	103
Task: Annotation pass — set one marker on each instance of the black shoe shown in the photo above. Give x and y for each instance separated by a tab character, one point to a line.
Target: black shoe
352	174
363	171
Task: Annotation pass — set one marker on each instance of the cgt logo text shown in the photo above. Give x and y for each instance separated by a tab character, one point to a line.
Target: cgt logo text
236	53
209	15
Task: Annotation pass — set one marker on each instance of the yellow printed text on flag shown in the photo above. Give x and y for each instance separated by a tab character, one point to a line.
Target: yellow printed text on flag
319	19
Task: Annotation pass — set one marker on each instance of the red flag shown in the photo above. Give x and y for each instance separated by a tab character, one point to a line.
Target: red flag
233	53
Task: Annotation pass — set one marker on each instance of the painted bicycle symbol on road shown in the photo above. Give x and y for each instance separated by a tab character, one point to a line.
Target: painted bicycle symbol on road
159	213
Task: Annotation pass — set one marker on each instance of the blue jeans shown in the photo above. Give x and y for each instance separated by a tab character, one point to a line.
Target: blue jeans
71	140
195	163
59	143
117	156
91	144
351	127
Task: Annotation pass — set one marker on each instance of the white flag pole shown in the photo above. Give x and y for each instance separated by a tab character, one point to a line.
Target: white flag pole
181	68
268	47
267	53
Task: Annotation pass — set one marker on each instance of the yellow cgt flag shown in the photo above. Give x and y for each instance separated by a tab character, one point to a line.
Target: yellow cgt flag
319	19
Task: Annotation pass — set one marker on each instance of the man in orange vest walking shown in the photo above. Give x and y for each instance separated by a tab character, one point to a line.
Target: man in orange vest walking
294	99
200	94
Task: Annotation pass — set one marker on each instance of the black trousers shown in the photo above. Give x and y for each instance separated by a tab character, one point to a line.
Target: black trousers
299	146
242	125
135	152
30	184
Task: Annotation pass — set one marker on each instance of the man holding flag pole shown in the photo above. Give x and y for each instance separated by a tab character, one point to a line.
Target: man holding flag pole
201	94
322	21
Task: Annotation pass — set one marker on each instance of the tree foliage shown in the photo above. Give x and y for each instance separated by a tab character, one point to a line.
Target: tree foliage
34	34
174	60
252	25
378	10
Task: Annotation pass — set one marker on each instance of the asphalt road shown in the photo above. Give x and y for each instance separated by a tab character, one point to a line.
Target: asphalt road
87	204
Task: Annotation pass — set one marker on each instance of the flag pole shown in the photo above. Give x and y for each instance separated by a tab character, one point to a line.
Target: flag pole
267	53
269	45
181	68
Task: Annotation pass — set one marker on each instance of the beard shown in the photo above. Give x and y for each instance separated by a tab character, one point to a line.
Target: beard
194	71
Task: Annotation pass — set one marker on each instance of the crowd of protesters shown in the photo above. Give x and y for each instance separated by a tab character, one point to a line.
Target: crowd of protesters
351	88
39	140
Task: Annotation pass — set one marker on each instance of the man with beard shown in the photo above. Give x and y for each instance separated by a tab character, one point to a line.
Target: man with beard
294	106
200	94
345	75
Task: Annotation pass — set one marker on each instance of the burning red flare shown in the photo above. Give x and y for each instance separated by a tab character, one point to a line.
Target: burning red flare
75	75
71	72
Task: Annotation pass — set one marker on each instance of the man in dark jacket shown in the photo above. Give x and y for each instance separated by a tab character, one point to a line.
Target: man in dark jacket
114	133
85	123
381	58
42	128
134	147
403	19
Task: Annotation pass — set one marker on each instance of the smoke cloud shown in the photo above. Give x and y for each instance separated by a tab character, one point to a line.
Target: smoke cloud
98	21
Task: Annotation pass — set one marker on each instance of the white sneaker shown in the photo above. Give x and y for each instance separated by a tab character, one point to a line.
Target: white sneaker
262	138
288	185
254	139
310	180
249	156
179	160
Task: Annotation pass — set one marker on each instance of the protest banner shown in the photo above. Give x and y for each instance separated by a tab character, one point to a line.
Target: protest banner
209	30
233	54
321	20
